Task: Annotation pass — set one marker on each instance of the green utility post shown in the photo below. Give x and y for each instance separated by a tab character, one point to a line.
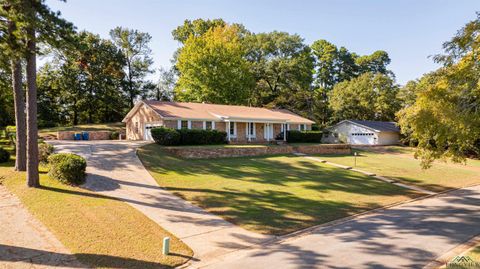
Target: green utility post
166	245
355	159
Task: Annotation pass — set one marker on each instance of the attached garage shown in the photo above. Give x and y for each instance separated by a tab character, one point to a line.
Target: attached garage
356	132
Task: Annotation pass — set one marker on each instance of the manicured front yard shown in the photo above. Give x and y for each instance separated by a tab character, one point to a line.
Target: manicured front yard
273	195
98	230
398	163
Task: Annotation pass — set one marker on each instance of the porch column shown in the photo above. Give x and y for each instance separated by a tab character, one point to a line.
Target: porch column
228	131
248	131
284	132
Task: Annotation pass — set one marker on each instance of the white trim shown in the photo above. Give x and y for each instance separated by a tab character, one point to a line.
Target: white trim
247	131
179	124
234	135
205	124
267	127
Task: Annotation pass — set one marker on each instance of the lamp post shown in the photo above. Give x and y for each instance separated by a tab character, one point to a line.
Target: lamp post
355	159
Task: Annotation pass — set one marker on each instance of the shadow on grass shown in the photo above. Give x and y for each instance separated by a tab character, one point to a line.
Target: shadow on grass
53	259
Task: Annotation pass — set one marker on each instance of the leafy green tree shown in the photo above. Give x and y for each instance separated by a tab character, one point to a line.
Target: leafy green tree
195	28
367	97
376	63
134	46
445	118
212	68
282	67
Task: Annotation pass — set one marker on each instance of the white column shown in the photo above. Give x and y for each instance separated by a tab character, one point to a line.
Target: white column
228	131
284	132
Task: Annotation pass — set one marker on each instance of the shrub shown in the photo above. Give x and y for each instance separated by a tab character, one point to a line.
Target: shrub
169	137
294	136
4	155
166	136
67	168
44	151
114	135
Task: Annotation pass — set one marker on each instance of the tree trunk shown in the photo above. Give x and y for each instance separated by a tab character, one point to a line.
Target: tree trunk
19	104
19	100
32	129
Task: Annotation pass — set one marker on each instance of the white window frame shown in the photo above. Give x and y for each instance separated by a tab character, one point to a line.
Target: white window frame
179	124
247	130
205	125
234	135
283	127
302	125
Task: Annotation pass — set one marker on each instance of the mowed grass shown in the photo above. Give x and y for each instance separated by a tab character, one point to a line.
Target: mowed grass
99	231
271	195
115	126
398	163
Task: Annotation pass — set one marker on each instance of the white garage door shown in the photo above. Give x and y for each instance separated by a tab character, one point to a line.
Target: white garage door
147	134
362	138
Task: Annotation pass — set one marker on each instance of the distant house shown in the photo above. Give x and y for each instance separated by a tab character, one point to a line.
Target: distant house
361	132
242	123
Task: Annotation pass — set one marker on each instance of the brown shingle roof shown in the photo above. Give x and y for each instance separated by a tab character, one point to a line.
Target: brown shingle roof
222	112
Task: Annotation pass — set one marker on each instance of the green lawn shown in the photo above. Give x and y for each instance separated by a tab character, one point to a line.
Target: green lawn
398	163
116	126
98	230
270	194
474	253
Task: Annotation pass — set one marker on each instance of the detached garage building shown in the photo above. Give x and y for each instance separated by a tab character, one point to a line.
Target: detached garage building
359	132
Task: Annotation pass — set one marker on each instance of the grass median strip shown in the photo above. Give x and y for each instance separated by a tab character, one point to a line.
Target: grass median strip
100	231
270	194
398	164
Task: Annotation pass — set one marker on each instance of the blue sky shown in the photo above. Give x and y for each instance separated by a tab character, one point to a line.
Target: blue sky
409	30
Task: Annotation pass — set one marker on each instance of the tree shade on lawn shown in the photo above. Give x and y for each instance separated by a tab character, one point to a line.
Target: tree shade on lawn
398	163
272	195
100	231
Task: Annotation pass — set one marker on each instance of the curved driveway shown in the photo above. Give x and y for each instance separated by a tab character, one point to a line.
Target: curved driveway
405	236
114	169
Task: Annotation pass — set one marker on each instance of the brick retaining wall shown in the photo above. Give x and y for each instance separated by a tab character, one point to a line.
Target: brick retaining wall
93	135
210	153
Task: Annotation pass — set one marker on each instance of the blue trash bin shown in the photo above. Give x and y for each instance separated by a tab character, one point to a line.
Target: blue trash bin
77	136
85	136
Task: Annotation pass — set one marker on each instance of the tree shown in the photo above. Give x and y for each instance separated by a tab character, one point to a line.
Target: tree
445	118
367	97
14	51
212	68
134	46
32	22
165	87
282	68
376	63
195	28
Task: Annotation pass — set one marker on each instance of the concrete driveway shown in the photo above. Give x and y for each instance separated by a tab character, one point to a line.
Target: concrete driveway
406	236
115	170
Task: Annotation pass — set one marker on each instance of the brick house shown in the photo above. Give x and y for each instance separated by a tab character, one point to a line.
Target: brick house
243	124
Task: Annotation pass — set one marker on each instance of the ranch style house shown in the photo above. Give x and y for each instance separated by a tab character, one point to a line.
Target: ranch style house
242	124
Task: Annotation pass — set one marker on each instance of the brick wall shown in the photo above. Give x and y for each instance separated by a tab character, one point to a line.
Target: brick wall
220	152
135	125
93	135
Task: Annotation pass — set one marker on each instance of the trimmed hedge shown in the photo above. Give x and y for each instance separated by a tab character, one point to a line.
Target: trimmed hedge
4	155
67	168
172	137
44	151
294	136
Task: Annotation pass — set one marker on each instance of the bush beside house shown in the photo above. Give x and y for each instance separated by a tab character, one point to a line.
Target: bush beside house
294	136
172	137
67	168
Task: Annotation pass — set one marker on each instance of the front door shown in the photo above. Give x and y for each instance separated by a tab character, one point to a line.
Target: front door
268	131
